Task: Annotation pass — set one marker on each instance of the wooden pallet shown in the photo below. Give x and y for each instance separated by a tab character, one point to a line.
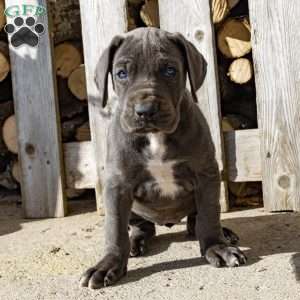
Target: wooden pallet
269	154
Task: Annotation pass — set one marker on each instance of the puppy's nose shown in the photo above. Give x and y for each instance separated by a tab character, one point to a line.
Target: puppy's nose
146	110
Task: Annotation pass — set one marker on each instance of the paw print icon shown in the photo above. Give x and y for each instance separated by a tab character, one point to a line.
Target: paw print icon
24	31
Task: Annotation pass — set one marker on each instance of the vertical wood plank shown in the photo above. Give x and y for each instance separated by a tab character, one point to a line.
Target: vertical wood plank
101	21
192	18
276	40
36	109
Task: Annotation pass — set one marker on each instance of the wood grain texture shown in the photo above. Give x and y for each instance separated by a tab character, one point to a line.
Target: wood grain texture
36	110
80	167
243	155
193	20
276	41
2	16
241	148
101	21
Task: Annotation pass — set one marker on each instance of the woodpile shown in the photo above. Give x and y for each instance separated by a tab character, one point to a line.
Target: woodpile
2	16
236	79
66	25
8	148
233	38
142	13
149	13
9	134
235	66
220	9
71	89
240	71
4	60
77	83
237	88
67	58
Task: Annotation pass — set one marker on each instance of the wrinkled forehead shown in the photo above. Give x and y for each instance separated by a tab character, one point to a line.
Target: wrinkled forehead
150	45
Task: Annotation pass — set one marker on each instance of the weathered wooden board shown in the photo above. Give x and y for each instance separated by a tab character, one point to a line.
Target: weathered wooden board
276	40
101	21
36	109
192	18
80	166
243	155
241	149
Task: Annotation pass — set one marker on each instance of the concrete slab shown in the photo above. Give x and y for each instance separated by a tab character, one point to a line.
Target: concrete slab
43	259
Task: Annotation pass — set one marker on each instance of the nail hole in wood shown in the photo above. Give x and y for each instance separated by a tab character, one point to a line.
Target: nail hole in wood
284	181
29	149
199	34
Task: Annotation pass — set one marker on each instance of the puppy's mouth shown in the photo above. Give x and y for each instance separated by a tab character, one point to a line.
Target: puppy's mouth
150	126
146	130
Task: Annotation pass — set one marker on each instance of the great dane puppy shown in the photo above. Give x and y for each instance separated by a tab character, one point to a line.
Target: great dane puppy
160	165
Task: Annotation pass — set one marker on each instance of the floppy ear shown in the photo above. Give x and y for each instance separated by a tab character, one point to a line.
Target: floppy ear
104	67
196	64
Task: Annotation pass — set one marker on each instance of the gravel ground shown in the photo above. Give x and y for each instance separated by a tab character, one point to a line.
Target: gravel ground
42	259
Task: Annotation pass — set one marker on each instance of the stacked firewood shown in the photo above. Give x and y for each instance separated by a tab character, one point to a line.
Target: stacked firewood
142	13
70	72
237	88
71	88
233	39
8	148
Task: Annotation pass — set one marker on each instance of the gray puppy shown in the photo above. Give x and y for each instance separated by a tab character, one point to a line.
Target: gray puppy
160	165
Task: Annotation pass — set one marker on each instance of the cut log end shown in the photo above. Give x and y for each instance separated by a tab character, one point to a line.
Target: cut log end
16	171
2	16
240	71
4	61
77	83
234	38
149	13
220	10
9	134
67	58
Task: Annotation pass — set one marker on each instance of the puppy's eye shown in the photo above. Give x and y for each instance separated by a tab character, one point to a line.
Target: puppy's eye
169	72
122	74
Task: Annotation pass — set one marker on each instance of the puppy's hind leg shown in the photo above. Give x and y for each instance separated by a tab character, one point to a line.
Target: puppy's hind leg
141	231
231	237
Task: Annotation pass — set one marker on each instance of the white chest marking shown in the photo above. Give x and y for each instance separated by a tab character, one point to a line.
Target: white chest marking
161	171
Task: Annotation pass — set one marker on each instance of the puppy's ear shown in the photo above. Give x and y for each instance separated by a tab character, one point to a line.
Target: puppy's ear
196	64
104	67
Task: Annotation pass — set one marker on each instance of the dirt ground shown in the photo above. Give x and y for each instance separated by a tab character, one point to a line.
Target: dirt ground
43	259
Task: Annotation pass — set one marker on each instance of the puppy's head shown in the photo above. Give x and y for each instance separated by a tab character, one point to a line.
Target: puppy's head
149	68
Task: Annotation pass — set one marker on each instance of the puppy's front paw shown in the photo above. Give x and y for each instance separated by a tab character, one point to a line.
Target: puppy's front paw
221	254
108	271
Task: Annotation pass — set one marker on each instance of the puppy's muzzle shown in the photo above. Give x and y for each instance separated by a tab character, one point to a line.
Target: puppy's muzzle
146	111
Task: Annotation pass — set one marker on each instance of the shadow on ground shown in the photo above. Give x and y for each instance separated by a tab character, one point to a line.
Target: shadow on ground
260	235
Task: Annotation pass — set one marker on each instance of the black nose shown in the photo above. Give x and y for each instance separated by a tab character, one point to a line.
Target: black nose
146	110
